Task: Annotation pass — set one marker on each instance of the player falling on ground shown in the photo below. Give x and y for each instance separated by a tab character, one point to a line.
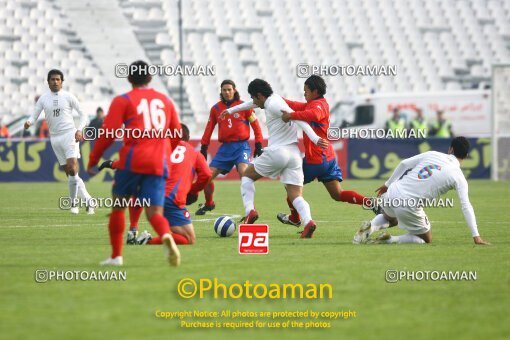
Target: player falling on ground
143	163
281	157
319	163
425	176
186	163
234	134
58	106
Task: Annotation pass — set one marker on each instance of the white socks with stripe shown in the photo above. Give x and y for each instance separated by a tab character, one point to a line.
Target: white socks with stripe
303	208
73	188
379	222
248	194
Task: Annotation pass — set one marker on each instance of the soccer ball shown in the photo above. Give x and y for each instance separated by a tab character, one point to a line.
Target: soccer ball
224	226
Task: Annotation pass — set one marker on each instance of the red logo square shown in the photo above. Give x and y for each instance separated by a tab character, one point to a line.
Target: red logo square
253	239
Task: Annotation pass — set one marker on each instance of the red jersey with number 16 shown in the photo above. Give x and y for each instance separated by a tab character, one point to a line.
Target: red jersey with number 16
186	163
146	111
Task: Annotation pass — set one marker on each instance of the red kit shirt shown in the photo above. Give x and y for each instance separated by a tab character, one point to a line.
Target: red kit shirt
147	112
186	163
315	113
233	128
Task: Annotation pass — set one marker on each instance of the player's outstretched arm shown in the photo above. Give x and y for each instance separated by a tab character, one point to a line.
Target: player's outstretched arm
238	108
461	186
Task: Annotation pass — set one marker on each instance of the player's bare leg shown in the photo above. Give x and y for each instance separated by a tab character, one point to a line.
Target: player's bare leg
209	192
182	235
248	194
336	192
116	227
160	224
295	195
241	168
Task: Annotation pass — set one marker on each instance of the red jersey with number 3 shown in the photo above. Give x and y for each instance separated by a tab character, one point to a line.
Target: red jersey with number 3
186	164
142	109
233	128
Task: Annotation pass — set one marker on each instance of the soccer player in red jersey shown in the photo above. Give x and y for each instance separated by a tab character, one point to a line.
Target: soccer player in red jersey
143	162
233	133
186	164
319	163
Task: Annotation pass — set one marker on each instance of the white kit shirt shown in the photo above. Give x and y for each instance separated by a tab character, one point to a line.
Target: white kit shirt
58	108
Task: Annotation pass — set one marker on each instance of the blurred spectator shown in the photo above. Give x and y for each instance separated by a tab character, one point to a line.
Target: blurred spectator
419	123
442	127
97	122
4	131
395	123
42	130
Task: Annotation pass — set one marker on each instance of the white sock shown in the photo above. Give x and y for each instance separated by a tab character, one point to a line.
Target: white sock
379	222
82	190
248	194
303	208
73	188
407	238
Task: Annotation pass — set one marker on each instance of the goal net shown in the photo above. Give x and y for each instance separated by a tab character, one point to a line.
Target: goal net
500	122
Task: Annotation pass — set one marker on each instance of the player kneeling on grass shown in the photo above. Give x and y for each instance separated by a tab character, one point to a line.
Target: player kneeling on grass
180	191
423	177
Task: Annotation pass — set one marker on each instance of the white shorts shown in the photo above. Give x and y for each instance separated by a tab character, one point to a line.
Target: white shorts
65	146
413	220
282	161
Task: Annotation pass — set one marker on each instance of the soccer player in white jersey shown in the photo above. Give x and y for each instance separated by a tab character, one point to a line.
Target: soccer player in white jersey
64	136
281	158
425	176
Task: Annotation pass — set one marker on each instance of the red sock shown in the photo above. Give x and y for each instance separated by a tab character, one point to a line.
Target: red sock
116	228
134	216
179	239
160	224
294	215
209	192
155	240
352	197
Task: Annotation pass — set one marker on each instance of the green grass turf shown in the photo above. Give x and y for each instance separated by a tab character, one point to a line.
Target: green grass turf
35	234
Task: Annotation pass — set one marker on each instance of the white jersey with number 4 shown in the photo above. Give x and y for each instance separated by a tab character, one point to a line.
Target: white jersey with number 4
58	110
430	175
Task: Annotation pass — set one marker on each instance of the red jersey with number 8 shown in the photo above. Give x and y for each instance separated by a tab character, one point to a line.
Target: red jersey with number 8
147	113
186	164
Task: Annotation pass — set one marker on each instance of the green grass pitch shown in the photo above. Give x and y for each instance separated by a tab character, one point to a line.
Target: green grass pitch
35	234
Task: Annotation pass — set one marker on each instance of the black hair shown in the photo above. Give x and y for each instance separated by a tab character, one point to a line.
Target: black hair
53	72
460	147
229	82
138	73
316	83
259	86
99	109
185	132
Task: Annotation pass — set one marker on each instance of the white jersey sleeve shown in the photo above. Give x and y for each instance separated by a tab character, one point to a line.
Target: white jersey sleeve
280	105
407	163
308	130
467	208
37	111
242	107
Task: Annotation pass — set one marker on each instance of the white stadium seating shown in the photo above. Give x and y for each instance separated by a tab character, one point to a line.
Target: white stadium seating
436	45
